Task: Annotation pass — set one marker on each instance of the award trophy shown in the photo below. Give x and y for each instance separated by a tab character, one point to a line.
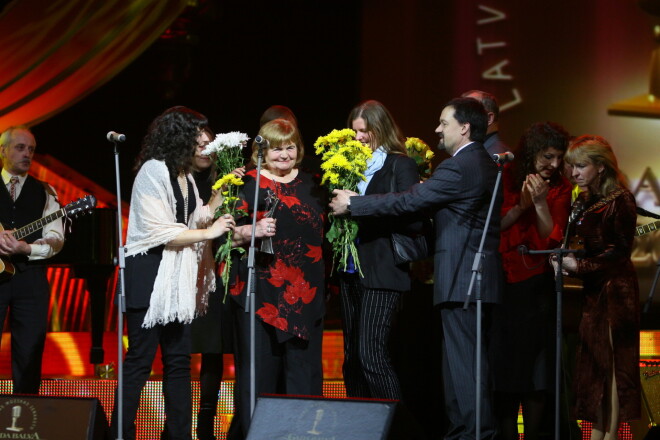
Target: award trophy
267	242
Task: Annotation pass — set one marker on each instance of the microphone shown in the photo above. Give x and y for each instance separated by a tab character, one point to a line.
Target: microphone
261	141
113	136
503	158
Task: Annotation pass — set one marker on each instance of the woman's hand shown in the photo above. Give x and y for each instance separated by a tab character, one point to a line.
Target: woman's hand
537	188
266	227
525	197
240	172
568	263
221	226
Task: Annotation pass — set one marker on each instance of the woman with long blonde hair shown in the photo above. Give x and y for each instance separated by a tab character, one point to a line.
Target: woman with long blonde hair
606	381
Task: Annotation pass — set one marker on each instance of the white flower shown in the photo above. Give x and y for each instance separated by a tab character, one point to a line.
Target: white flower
234	139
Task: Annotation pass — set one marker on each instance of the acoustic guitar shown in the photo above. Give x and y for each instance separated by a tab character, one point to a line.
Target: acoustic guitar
647	228
576	242
572	284
73	209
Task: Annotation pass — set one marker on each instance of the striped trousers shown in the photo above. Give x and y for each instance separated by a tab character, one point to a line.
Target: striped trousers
367	316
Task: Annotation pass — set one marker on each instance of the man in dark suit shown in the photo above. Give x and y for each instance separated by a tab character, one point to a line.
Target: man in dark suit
23	200
492	141
459	193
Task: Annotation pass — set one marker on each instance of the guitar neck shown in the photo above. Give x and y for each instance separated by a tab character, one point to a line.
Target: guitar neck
38	224
645	229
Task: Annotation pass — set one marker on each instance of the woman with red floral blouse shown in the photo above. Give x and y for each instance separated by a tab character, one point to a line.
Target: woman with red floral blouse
289	282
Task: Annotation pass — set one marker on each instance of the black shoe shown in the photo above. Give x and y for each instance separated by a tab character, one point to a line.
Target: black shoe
205	420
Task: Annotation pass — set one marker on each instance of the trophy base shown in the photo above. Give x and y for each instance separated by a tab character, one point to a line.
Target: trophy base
645	106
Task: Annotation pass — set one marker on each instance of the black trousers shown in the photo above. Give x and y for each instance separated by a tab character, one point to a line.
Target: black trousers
459	336
174	342
26	296
367	317
294	366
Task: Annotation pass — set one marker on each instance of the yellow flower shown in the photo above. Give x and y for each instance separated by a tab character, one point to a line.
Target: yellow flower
429	155
230	200
227	179
340	161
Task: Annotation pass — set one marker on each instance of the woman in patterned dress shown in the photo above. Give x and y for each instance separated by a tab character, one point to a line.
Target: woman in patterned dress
289	282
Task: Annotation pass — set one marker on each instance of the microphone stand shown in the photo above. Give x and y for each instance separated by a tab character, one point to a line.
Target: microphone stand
477	272
251	284
559	284
120	300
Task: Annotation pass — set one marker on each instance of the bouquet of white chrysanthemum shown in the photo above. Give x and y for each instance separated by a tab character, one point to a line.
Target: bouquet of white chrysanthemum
227	151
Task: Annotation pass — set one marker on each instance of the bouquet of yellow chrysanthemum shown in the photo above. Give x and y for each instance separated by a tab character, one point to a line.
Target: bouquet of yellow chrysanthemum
344	163
422	154
227	151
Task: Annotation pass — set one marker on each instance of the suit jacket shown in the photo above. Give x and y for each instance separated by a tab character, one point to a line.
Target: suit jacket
494	144
375	243
459	191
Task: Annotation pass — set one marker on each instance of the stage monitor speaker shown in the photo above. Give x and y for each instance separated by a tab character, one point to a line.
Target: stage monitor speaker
310	418
649	373
52	418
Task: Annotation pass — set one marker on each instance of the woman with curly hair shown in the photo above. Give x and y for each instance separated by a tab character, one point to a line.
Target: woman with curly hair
606	382
535	210
169	267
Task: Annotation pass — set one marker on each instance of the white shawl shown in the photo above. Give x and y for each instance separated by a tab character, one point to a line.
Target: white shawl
186	273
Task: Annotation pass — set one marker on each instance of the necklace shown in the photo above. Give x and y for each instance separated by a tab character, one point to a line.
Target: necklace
183	185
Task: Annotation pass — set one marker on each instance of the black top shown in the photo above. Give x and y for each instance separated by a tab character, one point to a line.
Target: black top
141	269
290	285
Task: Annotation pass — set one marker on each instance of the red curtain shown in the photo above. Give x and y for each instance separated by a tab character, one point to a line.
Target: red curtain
55	52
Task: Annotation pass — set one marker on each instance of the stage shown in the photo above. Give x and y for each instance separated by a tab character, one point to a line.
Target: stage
67	373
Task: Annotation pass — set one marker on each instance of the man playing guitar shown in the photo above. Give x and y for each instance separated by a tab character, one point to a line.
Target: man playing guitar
24	199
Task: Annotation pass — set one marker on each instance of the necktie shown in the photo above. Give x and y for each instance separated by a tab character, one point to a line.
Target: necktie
12	187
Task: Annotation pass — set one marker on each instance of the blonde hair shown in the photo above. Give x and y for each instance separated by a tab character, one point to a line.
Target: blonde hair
596	150
279	132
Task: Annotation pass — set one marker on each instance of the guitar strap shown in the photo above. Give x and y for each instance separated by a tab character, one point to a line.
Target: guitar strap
604	201
50	191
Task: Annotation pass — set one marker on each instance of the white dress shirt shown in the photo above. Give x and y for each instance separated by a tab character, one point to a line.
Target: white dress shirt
53	233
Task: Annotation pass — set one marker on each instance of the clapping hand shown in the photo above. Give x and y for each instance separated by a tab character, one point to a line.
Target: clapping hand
536	188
